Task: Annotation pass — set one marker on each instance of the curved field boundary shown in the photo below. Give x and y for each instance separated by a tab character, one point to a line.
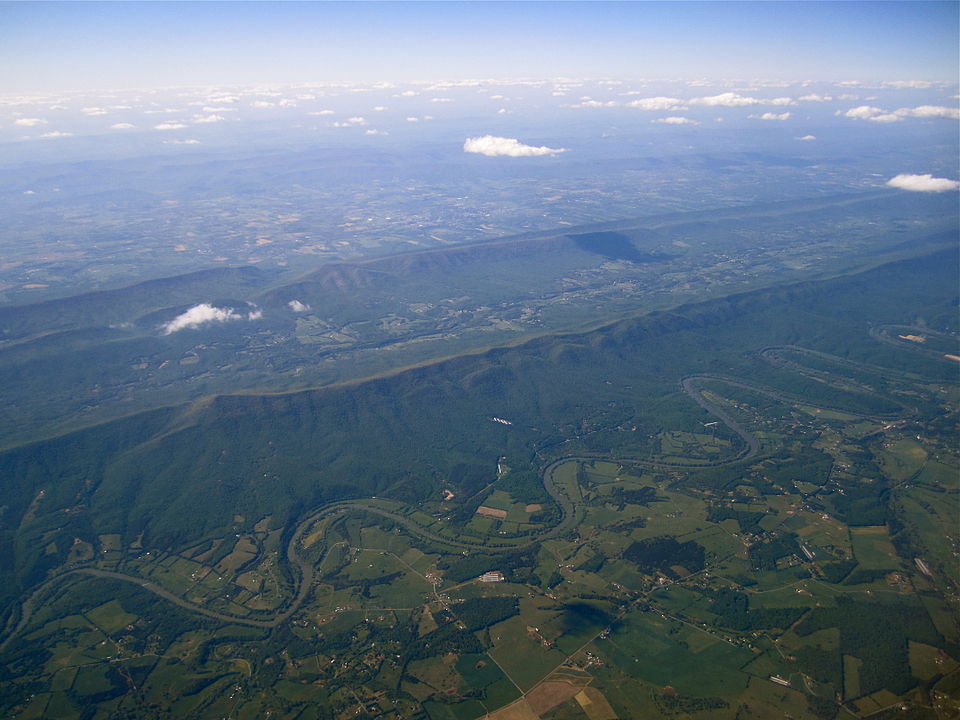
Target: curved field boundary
881	334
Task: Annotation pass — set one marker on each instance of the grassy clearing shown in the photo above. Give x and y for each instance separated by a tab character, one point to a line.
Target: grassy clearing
111	617
873	549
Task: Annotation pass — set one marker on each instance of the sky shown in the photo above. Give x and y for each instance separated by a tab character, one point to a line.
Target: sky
79	46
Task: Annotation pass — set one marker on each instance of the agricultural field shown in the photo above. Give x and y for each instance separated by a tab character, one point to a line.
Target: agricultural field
776	537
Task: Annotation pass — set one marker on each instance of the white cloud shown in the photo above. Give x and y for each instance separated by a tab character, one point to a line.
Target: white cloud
588	103
287	102
864	112
208	118
298	306
922	183
782	101
203	314
657	103
216	109
351	122
503	111
493	146
29	122
375	132
413	119
379	108
807	137
848	96
558	93
321	112
169	126
771	116
407	93
885	118
675	121
262	104
93	111
868	112
441	100
727	99
121	126
815	98
189	141
929	111
919	84
56	134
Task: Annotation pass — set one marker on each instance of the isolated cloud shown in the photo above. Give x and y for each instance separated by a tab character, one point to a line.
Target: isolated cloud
727	99
815	98
782	101
929	111
657	103
169	126
772	116
922	183
674	120
807	137
375	132
493	146
198	315
441	100
262	104
121	126
29	122
298	306
321	112
864	112
56	134
190	141
413	119
208	118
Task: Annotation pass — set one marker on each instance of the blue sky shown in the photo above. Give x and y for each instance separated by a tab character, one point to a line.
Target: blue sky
80	46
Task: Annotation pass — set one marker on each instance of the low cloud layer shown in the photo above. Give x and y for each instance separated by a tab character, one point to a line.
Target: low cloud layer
929	111
728	99
493	146
204	314
772	116
657	103
675	120
922	183
879	115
